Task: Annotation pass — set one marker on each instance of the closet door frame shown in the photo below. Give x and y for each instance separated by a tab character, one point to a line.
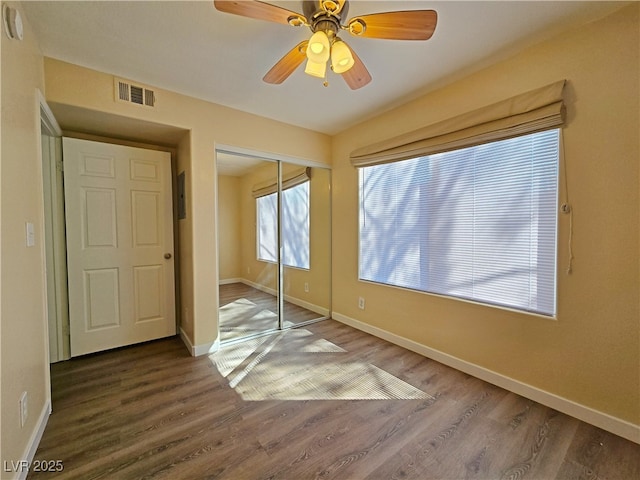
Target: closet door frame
280	160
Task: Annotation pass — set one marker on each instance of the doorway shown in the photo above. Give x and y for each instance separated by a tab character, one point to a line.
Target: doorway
119	224
273	244
54	232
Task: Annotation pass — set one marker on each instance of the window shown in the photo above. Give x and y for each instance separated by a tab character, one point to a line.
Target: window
295	226
477	223
267	208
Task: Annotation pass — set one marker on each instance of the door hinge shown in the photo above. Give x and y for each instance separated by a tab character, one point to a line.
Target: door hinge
60	166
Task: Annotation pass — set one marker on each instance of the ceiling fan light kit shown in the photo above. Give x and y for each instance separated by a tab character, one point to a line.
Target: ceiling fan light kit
341	58
316	69
319	47
324	18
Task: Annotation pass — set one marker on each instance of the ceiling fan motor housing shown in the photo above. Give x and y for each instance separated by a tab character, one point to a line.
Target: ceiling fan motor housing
330	27
325	15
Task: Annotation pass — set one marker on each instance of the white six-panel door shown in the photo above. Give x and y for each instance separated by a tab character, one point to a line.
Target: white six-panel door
118	208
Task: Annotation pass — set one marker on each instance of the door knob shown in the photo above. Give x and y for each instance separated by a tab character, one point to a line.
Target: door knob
167	256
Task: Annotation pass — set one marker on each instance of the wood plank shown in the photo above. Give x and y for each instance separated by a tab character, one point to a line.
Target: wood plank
152	411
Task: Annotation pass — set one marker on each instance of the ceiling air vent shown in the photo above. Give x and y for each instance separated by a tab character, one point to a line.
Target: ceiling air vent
130	93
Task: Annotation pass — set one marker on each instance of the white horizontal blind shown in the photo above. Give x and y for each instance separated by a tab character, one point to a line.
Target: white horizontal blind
477	223
295	226
267	231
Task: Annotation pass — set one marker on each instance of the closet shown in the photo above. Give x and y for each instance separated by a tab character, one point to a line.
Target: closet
274	244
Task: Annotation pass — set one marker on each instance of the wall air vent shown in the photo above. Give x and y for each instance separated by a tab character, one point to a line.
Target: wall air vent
128	92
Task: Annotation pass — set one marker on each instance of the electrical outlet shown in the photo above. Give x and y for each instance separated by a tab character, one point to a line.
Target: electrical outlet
306	287
361	303
24	409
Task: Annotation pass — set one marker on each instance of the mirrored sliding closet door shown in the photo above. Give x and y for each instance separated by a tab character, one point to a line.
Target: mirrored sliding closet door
273	245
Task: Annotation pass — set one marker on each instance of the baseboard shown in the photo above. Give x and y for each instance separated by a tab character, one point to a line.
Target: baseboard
325	312
258	286
34	441
227	281
198	350
599	419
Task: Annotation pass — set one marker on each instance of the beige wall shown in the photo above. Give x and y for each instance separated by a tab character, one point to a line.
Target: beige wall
185	255
24	340
590	354
209	125
229	238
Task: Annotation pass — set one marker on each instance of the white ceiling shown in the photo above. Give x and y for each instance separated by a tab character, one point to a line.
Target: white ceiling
191	48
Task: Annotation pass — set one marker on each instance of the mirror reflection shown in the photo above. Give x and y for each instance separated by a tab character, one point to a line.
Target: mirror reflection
264	288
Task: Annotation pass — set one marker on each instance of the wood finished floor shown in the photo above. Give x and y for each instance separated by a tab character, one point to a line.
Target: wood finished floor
152	411
248	317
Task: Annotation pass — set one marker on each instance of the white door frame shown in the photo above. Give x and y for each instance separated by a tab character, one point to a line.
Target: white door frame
55	243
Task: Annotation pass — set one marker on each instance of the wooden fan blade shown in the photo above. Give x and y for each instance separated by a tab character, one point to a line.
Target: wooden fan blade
403	25
287	64
357	76
258	10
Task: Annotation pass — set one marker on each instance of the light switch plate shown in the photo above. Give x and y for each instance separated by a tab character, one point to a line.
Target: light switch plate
31	236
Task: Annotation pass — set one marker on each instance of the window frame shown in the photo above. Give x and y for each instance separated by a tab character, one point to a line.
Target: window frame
258	202
529	311
282	237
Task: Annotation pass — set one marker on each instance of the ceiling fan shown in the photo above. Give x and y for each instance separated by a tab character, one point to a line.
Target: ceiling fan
325	19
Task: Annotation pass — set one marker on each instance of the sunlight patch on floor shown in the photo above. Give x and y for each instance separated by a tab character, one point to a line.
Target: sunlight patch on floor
240	309
297	365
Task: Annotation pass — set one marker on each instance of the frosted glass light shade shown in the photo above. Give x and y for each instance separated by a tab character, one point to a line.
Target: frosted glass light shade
316	69
341	58
319	47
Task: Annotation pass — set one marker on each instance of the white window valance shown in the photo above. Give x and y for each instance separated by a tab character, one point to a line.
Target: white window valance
289	180
530	112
